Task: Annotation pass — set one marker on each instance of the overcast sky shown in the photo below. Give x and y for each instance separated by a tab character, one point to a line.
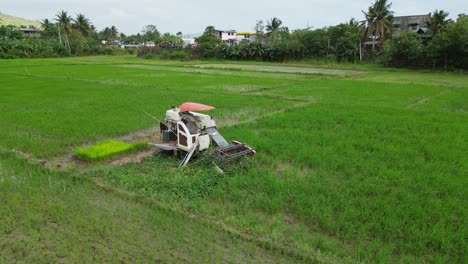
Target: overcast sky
192	16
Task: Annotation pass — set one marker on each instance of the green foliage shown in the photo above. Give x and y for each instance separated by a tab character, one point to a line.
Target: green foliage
30	48
207	44
170	41
449	48
403	48
8	32
378	20
181	55
150	34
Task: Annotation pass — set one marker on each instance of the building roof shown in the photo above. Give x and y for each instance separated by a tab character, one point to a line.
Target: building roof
422	30
226	31
426	15
30	30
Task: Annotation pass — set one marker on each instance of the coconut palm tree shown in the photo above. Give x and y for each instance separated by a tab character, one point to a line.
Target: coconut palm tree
438	21
378	23
64	24
64	20
114	32
82	24
274	25
379	20
48	28
45	24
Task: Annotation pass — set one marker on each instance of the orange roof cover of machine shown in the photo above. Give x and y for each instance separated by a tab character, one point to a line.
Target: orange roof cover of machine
189	106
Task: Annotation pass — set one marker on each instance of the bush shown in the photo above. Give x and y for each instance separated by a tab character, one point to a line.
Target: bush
175	55
450	48
30	48
145	50
403	49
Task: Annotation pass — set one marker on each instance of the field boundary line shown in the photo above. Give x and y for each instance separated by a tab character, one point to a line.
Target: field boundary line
302	103
426	99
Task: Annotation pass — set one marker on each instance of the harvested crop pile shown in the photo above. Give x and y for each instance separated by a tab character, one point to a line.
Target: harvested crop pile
108	149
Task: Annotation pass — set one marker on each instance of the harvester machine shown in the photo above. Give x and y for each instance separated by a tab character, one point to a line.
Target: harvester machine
190	132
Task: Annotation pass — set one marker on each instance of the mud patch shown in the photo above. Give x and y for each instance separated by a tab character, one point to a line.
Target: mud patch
134	157
45	163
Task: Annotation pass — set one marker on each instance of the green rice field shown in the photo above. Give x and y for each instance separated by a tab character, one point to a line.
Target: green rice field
354	164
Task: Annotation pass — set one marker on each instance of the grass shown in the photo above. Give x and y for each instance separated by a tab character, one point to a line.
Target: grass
50	217
108	149
361	167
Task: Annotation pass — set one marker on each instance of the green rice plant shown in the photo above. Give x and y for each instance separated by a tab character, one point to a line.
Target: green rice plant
108	149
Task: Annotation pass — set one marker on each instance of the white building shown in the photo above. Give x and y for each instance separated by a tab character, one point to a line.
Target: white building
188	41
227	36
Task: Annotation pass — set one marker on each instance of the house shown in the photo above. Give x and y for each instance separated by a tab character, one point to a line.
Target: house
245	36
411	23
32	32
188	41
227	36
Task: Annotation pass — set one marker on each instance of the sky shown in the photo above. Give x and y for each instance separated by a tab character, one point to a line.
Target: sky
192	16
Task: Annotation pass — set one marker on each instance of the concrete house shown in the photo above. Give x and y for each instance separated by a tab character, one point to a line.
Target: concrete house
245	36
227	36
411	23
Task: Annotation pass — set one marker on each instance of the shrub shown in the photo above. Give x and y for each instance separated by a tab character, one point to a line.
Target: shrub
175	55
403	49
145	50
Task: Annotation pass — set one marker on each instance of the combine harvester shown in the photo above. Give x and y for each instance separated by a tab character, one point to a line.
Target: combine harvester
192	132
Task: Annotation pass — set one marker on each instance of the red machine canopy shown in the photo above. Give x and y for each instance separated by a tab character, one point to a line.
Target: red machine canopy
194	107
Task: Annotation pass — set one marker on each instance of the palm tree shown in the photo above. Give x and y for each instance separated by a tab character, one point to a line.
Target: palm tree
45	24
48	28
64	20
438	21
114	32
82	24
378	23
273	25
353	22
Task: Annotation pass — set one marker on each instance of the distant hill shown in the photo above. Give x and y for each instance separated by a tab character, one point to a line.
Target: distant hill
18	22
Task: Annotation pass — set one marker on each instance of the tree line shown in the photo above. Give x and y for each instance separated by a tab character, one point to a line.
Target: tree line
67	36
374	39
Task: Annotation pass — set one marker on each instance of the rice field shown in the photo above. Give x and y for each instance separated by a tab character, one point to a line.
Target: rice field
353	164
